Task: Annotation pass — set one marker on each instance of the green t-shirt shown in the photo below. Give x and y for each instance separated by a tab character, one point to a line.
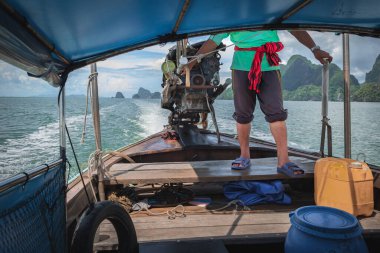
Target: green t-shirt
242	60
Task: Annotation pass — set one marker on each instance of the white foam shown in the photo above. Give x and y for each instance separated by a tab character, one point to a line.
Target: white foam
152	118
38	147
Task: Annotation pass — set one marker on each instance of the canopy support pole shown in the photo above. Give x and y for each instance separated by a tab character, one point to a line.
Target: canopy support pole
347	105
62	137
181	16
96	122
325	119
62	123
291	11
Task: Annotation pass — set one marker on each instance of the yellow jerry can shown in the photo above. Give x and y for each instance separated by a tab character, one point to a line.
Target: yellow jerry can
345	184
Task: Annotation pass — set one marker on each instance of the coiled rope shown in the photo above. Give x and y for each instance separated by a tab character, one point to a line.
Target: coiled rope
180	211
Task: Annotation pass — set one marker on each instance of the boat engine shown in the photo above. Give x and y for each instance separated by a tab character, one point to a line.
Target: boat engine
186	99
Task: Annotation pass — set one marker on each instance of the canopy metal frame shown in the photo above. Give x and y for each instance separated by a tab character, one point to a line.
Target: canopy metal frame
174	35
347	95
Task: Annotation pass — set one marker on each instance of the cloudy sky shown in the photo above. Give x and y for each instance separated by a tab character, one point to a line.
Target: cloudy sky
128	72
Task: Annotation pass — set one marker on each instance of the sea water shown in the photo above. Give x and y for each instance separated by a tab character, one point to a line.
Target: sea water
29	128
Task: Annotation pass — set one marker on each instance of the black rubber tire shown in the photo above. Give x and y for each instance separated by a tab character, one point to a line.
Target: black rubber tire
84	234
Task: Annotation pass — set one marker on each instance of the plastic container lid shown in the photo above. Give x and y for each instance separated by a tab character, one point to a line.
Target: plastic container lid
325	222
356	165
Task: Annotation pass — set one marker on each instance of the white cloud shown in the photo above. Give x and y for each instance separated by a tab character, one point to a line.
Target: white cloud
292	46
111	81
15	82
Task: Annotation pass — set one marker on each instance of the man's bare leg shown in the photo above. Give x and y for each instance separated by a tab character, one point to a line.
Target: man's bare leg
243	131
279	133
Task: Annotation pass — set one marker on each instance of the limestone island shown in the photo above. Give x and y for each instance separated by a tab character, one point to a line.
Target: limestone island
119	95
146	94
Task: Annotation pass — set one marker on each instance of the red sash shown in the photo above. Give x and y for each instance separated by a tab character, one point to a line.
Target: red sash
271	49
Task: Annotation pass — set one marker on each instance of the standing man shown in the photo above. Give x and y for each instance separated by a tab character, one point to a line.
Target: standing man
256	73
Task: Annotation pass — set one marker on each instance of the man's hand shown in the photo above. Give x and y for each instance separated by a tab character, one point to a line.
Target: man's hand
322	56
306	40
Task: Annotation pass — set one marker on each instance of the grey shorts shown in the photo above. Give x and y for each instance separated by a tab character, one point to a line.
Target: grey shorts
270	97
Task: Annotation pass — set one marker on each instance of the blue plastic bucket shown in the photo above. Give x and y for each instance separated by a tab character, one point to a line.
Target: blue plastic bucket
324	229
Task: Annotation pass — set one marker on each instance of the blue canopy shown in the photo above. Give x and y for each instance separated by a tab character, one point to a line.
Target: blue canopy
51	38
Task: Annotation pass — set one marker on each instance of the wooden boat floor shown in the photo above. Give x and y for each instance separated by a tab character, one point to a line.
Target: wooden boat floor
250	226
201	171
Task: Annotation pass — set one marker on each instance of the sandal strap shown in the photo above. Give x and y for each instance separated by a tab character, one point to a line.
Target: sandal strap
241	161
292	166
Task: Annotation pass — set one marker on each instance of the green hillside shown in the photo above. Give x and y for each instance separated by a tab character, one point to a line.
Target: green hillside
374	75
302	81
368	92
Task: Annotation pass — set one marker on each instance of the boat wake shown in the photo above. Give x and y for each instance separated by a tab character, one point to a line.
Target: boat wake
39	147
42	145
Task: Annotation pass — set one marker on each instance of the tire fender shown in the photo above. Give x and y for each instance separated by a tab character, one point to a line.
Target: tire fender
84	234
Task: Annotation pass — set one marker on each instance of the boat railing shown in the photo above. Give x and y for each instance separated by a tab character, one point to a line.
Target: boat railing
24	177
32	210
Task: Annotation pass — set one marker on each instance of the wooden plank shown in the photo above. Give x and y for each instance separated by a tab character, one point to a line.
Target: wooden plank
184	247
371	223
216	226
205	220
201	171
219	232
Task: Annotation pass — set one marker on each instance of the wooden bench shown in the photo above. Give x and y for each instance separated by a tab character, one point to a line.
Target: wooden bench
200	171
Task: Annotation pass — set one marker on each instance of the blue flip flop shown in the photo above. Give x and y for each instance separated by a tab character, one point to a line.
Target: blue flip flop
241	163
289	169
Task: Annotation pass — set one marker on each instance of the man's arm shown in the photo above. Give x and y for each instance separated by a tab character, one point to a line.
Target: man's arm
306	40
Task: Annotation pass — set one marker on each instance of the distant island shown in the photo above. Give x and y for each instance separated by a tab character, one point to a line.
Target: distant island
119	95
146	94
302	81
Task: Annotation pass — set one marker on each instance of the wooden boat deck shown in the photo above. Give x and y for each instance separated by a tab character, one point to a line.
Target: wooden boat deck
200	171
252	226
264	223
